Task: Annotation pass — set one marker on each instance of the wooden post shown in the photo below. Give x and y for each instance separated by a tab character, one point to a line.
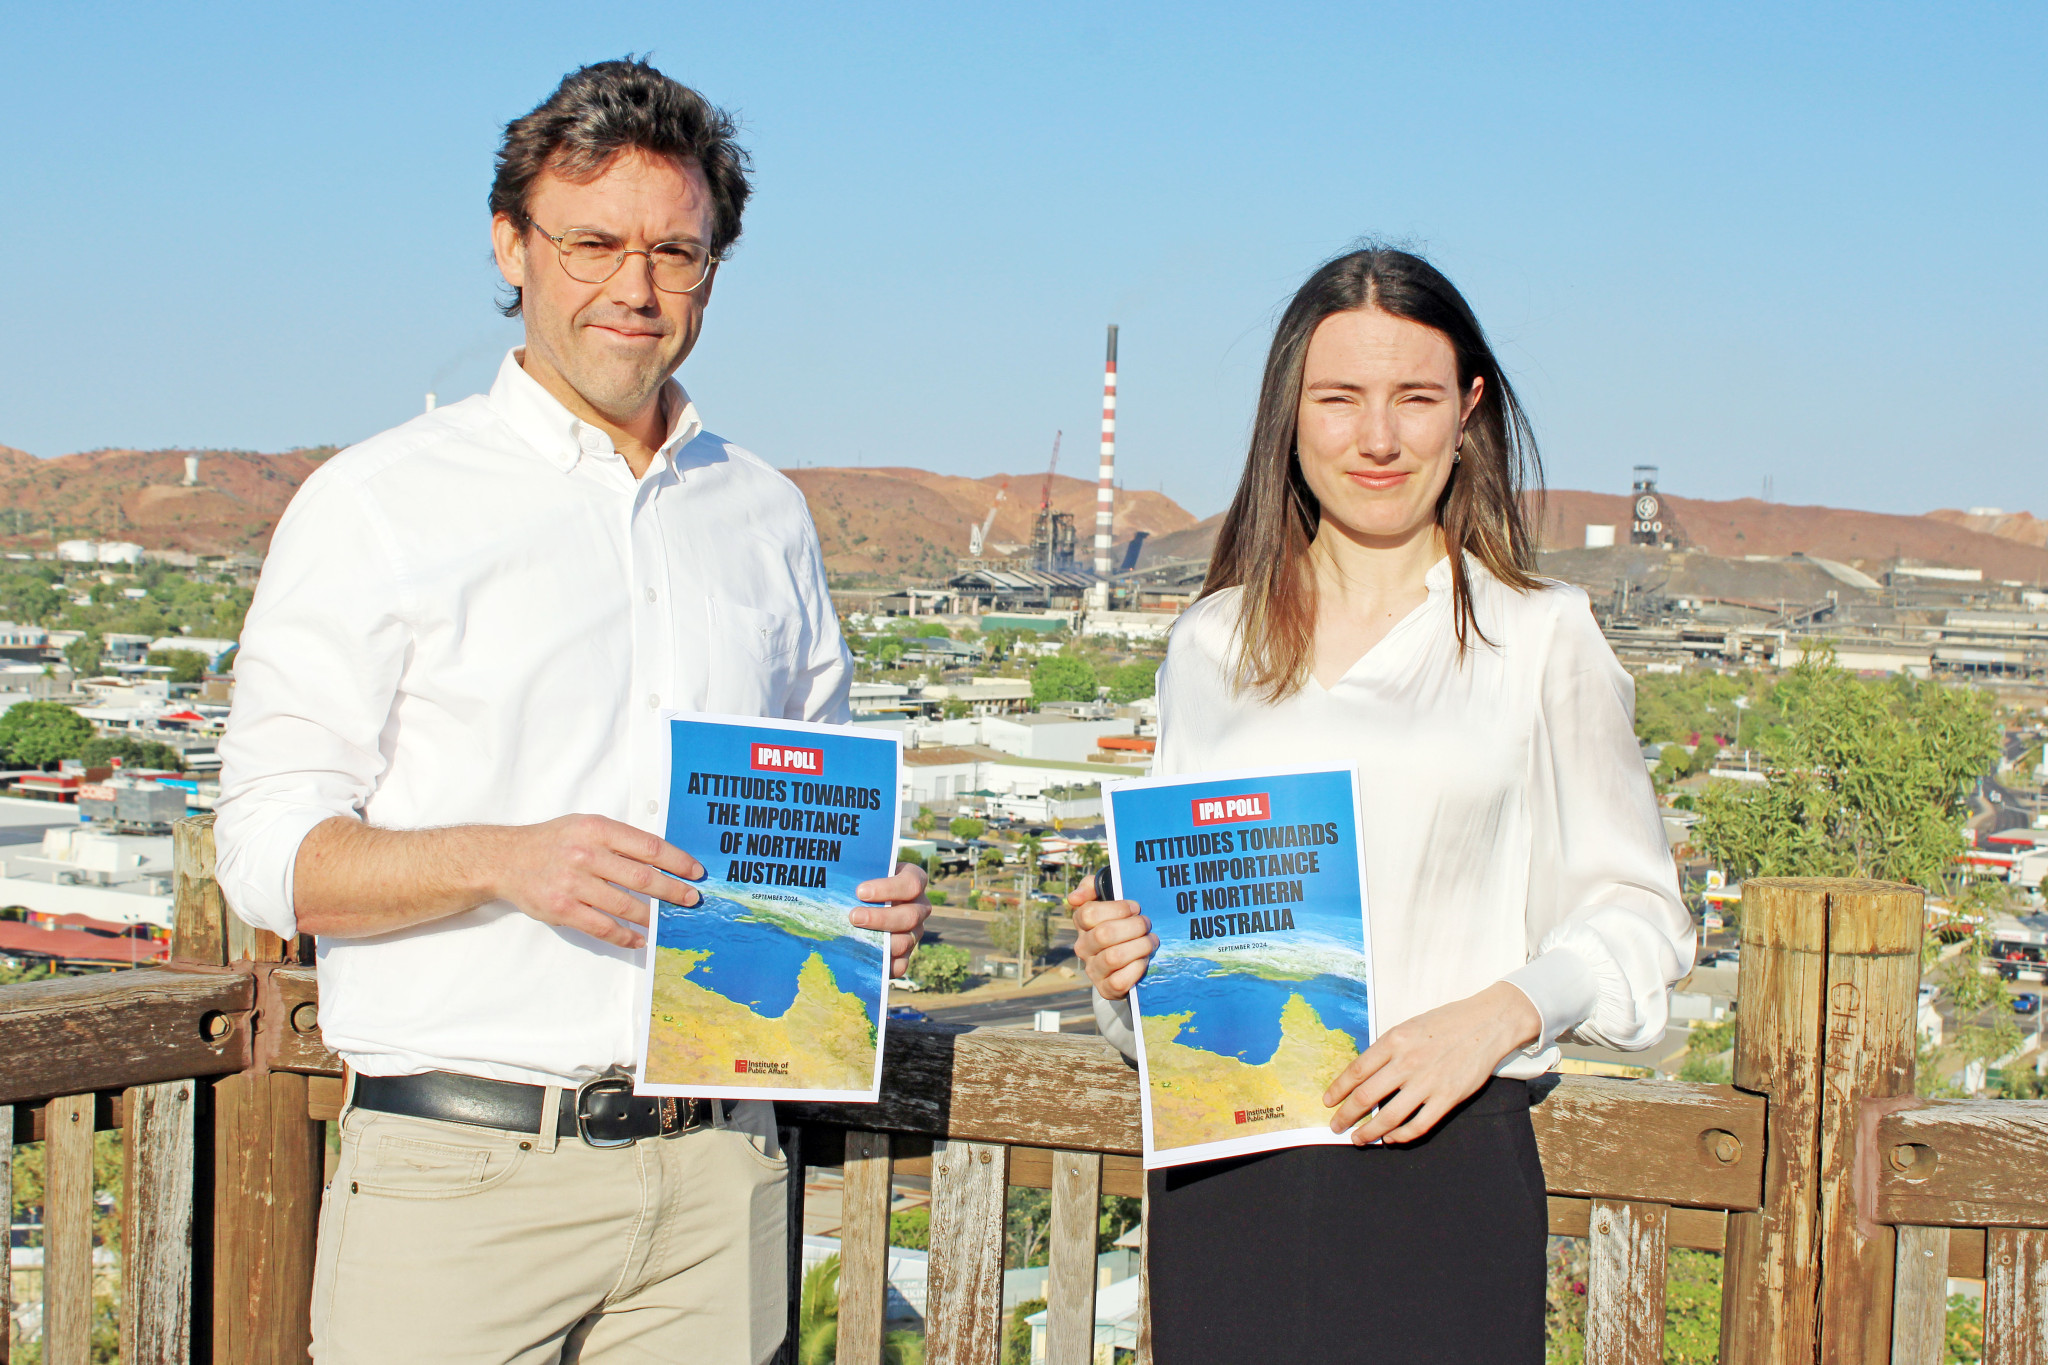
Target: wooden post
2016	1296
964	1303
1070	1281
1830	971
863	1248
267	1166
1625	1292
67	1230
1920	1297
7	1211
1872	1003
159	1127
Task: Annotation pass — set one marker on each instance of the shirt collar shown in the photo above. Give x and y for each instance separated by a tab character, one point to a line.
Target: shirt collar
561	437
1438	579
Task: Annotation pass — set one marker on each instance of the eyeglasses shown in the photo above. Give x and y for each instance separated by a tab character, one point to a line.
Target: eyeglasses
592	257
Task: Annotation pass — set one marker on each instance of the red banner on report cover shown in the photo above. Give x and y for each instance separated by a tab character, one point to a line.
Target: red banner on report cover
1232	810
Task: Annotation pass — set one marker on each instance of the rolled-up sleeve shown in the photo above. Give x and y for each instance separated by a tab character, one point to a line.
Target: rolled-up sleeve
1608	933
320	659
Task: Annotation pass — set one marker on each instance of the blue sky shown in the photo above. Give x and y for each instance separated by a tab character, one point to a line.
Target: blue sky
1735	242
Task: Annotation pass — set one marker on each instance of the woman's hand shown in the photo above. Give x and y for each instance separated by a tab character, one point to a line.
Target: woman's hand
1421	1070
1116	943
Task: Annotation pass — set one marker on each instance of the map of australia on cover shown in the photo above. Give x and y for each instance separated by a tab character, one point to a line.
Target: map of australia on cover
764	989
1260	992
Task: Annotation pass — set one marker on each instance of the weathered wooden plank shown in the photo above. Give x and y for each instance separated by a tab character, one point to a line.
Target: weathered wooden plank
1145	1277
67	1232
7	1203
864	1248
1771	1275
1870	1040
1660	1141
29	1123
297	1044
1070	1281
268	1170
1664	1142
2016	1297
1920	1297
964	1294
1960	1163
1625	1288
1692	1229
324	1095
1032	1168
159	1146
70	1035
199	918
204	932
1066	1091
1966	1253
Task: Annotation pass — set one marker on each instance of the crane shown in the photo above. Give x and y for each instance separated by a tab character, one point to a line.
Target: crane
977	534
1045	499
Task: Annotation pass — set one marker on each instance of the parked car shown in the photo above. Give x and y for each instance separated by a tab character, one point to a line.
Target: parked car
2026	1002
1928	990
907	1014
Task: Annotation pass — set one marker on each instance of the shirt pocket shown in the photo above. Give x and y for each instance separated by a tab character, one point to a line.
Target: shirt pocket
751	660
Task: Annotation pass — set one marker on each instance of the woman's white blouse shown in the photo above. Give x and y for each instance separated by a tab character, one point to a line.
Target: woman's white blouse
1509	828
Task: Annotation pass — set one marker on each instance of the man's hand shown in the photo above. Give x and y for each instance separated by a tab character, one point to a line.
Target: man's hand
900	909
1116	943
574	872
1424	1068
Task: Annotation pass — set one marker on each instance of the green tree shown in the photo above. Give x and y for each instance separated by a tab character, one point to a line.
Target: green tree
1131	682
966	827
186	665
932	630
817	1332
1120	1213
1003	929
84	654
1062	677
1027	1227
1703	1049
1674	765
1017	1335
911	856
911	1229
1706	755
938	967
133	753
35	734
29	599
1866	779
955	709
924	822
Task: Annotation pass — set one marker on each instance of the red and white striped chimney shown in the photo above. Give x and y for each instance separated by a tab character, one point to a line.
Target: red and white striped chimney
1105	488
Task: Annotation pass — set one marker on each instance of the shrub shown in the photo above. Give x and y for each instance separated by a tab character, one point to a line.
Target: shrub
938	967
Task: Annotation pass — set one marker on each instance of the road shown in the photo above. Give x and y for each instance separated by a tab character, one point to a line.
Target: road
1075	1007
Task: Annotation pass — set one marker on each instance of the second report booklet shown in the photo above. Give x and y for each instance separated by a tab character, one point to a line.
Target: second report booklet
1261	990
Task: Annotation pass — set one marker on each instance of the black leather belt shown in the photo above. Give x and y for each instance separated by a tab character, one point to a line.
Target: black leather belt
603	1111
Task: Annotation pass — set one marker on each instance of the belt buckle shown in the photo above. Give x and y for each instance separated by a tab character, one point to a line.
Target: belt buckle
609	1082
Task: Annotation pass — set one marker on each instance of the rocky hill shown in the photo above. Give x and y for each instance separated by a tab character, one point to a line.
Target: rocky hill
2009	546
889	525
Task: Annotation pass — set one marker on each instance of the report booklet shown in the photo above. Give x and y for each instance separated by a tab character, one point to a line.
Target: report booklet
1261	990
764	989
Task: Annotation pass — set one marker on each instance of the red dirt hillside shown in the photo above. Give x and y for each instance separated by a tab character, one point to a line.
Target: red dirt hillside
136	495
1870	541
2023	527
894	522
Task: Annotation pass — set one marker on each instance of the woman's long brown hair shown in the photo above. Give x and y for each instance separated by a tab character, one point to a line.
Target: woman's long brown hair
1263	544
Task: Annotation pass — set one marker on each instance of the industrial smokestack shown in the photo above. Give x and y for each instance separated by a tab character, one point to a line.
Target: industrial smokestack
1105	488
431	400
191	471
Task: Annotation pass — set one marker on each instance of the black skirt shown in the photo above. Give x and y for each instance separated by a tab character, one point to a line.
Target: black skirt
1425	1254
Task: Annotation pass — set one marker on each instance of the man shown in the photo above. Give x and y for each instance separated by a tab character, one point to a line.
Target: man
445	761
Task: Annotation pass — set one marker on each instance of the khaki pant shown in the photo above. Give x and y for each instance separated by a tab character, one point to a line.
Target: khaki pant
445	1243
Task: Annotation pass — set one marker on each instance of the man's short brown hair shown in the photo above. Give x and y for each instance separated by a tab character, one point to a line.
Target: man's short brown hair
612	107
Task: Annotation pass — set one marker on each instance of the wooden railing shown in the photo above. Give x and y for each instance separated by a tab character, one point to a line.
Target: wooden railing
1841	1204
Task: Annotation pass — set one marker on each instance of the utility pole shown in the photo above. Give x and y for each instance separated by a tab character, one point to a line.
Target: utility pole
1023	908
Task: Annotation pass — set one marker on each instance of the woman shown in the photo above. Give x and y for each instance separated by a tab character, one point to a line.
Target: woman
1373	598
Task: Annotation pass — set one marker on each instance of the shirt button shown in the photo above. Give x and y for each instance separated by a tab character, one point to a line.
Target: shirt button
653	806
591	440
650	594
654	699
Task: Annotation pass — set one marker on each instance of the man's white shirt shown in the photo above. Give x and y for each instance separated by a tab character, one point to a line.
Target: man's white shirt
475	618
